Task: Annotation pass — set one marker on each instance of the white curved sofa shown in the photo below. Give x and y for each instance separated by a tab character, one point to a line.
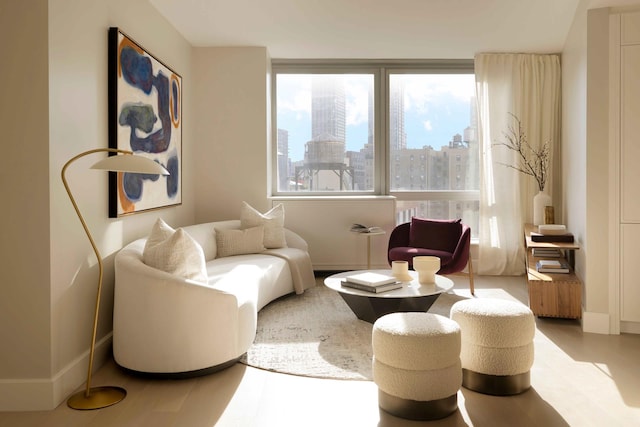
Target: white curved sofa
168	325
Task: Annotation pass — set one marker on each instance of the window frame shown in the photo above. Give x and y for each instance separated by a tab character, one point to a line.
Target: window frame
381	71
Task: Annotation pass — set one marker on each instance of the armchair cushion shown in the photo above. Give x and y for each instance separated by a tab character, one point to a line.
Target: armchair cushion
441	235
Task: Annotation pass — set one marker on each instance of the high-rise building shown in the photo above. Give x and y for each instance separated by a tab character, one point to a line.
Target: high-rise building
397	133
284	174
328	108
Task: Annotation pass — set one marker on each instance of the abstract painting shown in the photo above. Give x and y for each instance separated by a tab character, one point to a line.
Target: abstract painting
145	116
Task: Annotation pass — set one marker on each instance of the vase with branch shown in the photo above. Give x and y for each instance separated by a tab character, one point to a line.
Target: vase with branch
531	161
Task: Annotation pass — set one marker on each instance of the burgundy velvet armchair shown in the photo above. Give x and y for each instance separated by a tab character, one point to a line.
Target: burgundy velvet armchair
449	240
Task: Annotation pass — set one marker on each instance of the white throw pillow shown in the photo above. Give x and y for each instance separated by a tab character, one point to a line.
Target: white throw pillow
273	222
175	252
160	232
239	242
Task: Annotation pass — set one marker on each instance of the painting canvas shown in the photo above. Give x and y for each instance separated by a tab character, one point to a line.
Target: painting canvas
145	116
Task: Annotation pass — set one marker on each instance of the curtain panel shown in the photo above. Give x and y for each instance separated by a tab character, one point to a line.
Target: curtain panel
527	86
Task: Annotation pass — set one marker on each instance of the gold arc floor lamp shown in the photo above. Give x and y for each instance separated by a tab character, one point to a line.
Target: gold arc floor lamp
101	397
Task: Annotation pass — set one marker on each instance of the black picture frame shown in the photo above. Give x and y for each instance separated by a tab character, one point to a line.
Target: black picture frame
145	116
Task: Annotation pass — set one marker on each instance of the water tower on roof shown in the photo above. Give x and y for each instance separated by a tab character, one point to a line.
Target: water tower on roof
325	167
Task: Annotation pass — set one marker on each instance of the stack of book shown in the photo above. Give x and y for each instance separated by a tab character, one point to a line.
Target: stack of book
547	252
552	266
371	282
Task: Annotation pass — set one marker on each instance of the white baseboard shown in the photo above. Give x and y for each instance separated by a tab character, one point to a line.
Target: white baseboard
597	323
630	327
45	394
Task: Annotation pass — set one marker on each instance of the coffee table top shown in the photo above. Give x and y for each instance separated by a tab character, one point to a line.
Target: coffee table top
408	290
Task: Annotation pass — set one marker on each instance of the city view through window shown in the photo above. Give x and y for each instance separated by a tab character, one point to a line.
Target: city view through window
326	139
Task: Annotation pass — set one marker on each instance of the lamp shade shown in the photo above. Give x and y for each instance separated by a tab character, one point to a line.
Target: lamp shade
130	163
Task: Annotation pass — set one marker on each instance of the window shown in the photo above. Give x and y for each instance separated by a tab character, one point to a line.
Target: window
324	132
432	117
402	129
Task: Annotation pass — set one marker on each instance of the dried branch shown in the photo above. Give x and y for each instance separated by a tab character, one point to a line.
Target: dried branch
531	161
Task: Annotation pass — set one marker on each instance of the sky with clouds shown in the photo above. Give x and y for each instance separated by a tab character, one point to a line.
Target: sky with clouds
436	108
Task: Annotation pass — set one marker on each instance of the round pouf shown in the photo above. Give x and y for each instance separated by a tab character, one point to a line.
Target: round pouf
416	365
497	345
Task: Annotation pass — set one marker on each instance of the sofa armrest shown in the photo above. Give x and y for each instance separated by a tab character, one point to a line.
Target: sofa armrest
295	241
163	323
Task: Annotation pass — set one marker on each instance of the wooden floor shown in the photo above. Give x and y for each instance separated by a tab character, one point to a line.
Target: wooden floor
577	380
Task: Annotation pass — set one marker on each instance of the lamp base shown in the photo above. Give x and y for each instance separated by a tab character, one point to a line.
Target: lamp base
99	397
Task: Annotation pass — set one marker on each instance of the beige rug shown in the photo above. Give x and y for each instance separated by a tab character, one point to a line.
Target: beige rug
316	334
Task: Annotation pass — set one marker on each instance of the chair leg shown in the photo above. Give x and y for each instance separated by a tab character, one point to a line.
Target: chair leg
471	288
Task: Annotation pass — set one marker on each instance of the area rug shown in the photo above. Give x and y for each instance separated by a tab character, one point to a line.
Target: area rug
317	335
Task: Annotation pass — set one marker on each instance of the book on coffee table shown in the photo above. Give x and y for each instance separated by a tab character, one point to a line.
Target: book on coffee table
370	278
372	288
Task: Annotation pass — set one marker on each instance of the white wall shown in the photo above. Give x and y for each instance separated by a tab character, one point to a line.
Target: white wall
24	175
597	166
231	130
324	223
584	156
48	327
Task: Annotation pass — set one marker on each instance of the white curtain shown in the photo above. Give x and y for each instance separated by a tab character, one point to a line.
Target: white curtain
527	86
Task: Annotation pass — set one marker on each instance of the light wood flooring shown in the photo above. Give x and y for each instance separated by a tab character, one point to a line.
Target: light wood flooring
577	379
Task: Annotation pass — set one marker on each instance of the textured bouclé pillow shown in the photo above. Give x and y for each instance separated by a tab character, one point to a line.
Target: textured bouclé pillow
160	232
175	252
273	222
238	242
442	235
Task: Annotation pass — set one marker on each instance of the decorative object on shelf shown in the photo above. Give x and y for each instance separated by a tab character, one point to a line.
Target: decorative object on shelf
145	116
541	202
101	397
427	267
532	161
549	215
400	270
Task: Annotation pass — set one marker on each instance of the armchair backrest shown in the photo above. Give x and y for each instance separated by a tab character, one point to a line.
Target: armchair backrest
442	235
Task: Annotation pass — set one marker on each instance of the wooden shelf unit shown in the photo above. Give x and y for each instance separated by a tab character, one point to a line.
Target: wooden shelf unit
552	295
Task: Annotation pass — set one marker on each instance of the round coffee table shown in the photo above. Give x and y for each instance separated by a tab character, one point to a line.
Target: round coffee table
369	306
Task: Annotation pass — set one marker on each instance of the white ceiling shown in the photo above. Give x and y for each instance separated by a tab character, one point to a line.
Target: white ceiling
376	29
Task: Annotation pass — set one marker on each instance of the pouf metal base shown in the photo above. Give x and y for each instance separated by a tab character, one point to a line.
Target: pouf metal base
416	410
497	385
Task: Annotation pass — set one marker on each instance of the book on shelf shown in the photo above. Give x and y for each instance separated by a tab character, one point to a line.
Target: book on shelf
549	229
372	288
551	238
359	228
552	266
370	278
547	252
549	263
